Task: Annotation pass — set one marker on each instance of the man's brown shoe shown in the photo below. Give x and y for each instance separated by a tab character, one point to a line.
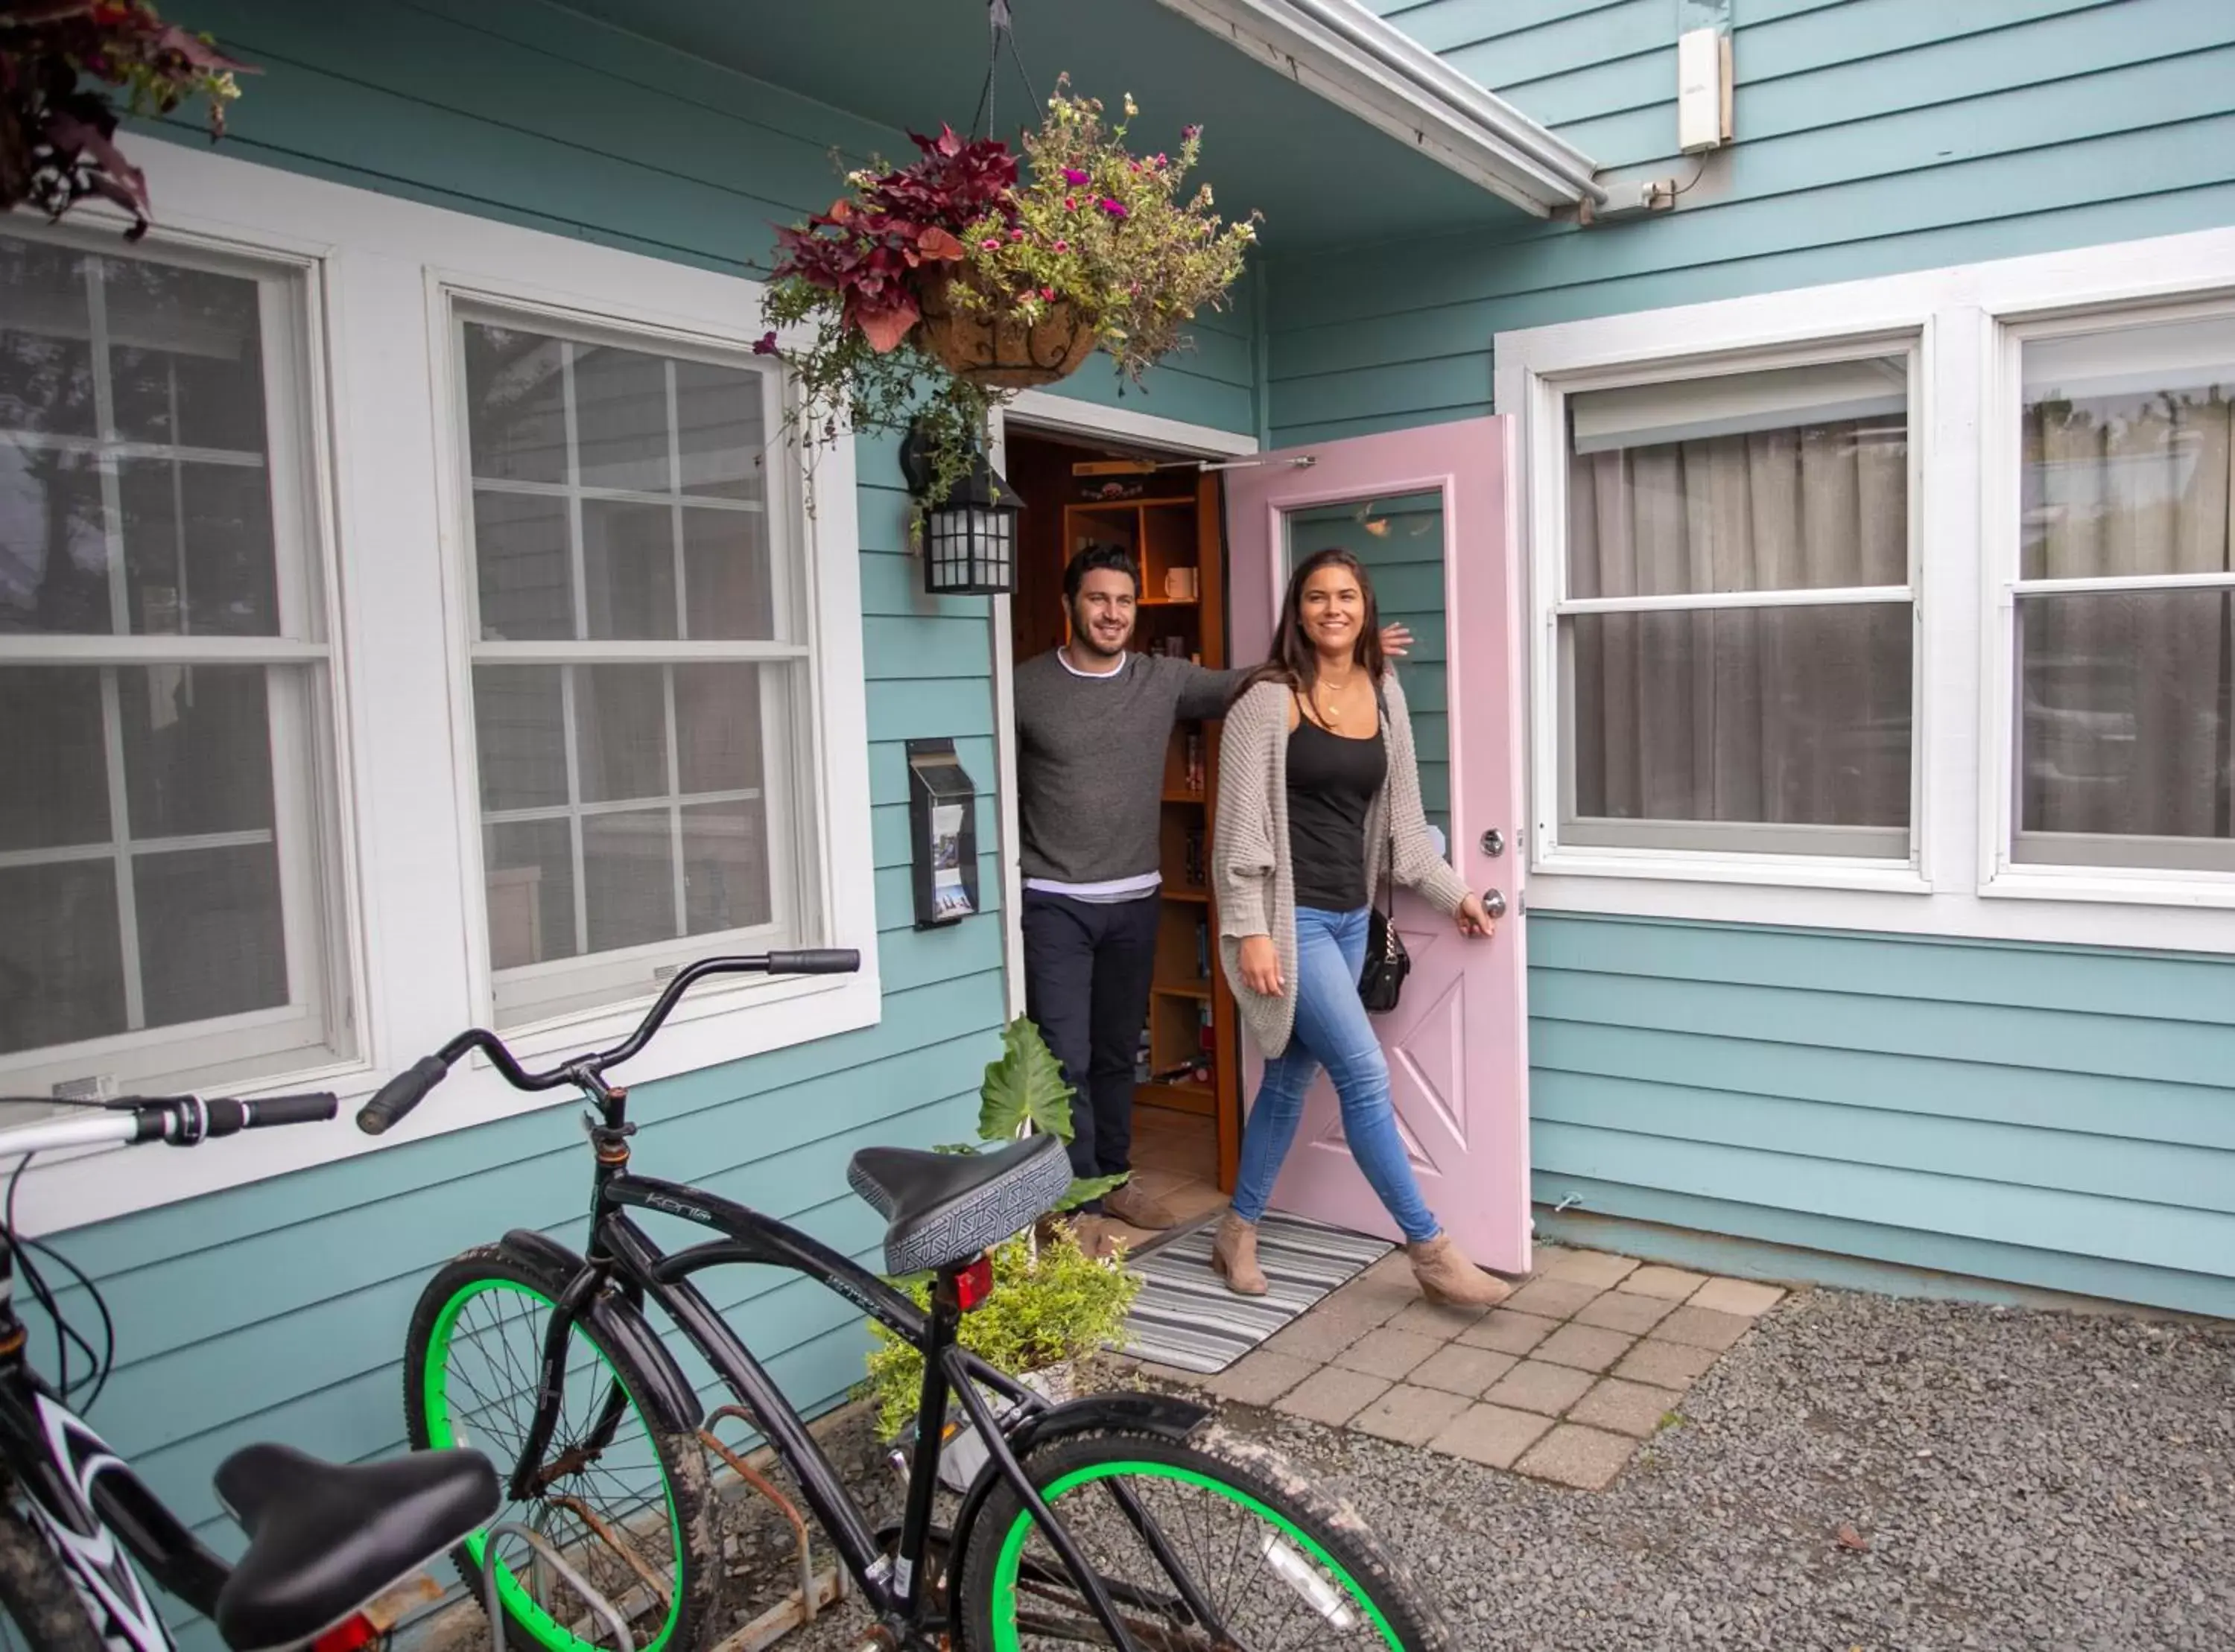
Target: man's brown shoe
1132	1203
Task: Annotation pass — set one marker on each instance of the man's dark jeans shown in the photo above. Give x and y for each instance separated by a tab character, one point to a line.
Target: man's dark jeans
1087	972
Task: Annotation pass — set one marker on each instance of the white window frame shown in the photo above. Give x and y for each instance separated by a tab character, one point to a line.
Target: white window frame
381	267
2002	409
1966	318
797	891
1549	573
313	1031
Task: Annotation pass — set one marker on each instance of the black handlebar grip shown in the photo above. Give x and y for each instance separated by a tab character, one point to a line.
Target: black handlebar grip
309	1108
816	961
400	1095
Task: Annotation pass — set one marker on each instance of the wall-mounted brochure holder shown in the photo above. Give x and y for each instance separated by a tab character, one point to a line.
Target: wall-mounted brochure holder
942	833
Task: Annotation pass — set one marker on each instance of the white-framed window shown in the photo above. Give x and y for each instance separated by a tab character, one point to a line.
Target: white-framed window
168	863
533	677
2120	629
2062	622
641	679
1735	611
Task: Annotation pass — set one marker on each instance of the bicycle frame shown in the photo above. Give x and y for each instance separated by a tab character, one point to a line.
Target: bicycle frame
620	1250
97	1516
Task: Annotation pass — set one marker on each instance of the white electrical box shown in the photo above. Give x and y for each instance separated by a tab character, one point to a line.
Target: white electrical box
1703	90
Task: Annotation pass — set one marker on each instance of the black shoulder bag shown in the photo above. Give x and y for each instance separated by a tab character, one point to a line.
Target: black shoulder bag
1387	964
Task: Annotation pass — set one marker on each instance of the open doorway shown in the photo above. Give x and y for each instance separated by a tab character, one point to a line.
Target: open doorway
1166	511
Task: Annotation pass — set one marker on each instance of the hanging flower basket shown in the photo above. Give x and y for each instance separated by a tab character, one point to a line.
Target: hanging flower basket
997	348
931	293
58	124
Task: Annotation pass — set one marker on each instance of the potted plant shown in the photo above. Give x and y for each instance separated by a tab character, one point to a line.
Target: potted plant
937	290
1052	1304
58	124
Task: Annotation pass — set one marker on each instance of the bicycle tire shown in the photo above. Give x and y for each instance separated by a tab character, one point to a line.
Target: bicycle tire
1388	1611
41	1602
691	1567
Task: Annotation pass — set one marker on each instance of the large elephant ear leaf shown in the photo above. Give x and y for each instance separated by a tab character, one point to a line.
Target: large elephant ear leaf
1025	1086
1083	1188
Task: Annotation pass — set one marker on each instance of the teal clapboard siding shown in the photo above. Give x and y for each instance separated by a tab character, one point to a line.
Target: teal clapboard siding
278	1310
1872	136
2052	1117
2058	1118
529	112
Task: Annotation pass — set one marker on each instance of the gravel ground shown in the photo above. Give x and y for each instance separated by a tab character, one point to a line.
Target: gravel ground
1860	1473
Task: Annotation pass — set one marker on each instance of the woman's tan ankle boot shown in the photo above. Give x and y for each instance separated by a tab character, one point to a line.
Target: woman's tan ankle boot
1234	1255
1448	1278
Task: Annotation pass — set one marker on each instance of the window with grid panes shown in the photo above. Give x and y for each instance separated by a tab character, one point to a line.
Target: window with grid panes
166	871
639	663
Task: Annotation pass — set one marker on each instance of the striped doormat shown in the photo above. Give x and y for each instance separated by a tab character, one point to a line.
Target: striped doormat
1187	1318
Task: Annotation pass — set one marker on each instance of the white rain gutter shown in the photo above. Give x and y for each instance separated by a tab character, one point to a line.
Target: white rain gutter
1341	51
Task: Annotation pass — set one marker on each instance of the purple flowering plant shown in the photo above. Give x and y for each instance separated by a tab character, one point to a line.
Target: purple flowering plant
1114	236
1085	234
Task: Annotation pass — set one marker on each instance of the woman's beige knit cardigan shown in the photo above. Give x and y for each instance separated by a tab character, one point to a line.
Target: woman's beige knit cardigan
1250	866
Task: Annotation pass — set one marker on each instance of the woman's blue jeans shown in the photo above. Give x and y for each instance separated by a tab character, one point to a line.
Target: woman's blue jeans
1331	1031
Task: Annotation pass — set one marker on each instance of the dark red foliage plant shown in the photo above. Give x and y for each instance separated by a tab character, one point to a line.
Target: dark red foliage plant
57	121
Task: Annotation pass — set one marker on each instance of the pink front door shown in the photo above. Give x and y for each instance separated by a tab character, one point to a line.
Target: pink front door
1426	513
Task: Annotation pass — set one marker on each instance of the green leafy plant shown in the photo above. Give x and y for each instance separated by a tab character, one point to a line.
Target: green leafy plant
1024	1093
1051	1302
934	291
58	126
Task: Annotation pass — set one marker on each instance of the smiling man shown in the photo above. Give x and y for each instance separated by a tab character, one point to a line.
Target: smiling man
1093	722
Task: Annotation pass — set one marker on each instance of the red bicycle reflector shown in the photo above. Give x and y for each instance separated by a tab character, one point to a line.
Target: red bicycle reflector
974	1284
347	1635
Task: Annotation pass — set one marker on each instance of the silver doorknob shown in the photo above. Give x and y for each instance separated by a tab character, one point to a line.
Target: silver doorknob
1493	902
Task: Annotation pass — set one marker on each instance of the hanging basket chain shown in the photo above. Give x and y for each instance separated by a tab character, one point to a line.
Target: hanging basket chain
999	25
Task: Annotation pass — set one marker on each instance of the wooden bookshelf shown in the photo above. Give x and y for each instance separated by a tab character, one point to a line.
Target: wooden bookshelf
1192	1035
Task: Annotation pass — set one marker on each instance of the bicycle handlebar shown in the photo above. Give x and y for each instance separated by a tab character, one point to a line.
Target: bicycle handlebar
181	1121
409	1089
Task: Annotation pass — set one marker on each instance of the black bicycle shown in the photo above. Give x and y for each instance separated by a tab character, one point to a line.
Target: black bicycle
324	1540
1131	1520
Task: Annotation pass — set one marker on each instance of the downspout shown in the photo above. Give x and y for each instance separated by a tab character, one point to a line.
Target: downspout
1430	75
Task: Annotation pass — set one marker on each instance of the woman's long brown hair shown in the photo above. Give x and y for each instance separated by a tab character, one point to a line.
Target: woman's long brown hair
1294	662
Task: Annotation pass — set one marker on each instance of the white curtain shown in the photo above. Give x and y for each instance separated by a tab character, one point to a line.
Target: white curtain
2125	695
1781	715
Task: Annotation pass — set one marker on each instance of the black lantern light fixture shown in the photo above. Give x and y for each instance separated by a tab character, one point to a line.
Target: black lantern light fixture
969	537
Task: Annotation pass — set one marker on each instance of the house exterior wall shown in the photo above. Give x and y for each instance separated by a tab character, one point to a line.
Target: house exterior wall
277	1310
2062	1117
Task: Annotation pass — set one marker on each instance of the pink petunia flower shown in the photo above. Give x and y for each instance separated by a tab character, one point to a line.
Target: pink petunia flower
1063	246
1115	208
765	344
992	244
1016	235
1190	134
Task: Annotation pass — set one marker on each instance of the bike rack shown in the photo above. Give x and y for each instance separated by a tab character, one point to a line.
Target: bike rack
493	1602
801	1606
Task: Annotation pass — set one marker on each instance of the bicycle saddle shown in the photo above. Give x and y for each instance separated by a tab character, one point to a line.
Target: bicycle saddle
944	1208
324	1539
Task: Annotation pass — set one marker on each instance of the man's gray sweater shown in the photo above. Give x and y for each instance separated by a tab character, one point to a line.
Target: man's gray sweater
1090	761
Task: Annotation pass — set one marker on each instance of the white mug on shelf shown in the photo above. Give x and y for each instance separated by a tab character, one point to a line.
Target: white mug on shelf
1179	584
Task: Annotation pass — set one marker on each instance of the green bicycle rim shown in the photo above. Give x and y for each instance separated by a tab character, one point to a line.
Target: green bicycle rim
1008	1562
522	1607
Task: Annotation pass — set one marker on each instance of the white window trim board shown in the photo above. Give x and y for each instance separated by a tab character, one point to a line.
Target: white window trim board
403	680
1966	317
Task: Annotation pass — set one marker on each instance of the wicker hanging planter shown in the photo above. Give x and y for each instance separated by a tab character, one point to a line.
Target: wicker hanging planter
996	350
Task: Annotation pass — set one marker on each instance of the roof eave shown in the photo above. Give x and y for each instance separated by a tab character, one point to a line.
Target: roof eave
1341	52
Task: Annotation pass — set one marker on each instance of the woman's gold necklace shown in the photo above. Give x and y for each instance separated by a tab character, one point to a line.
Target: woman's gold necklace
1329	709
